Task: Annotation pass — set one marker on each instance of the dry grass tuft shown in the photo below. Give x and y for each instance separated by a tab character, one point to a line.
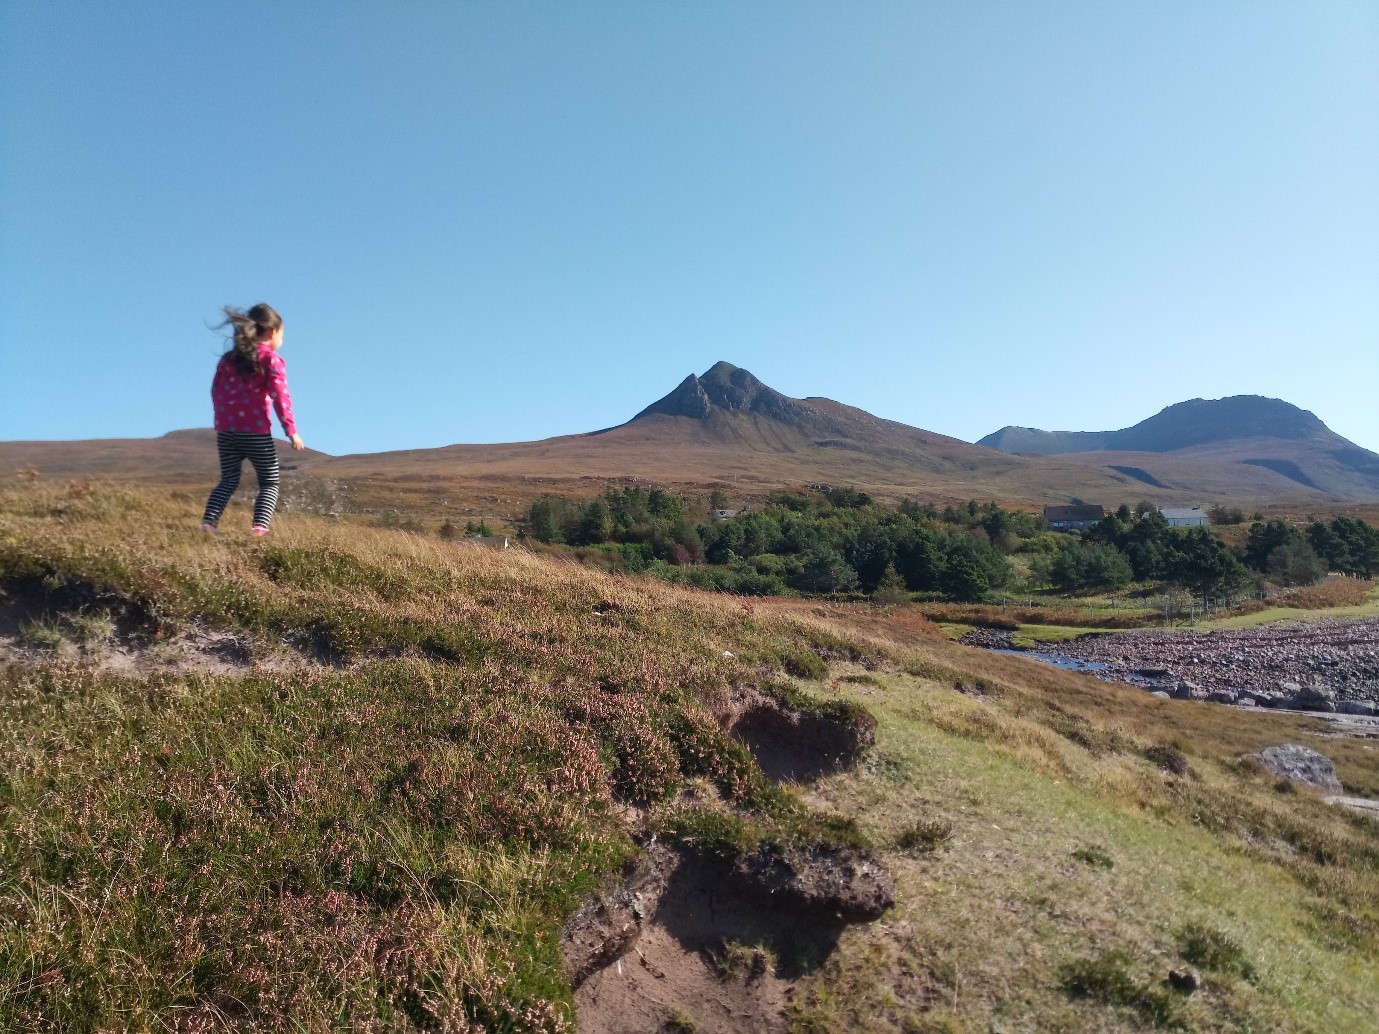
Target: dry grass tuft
1333	592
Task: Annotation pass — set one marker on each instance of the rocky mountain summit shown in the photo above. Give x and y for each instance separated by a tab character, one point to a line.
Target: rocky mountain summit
731	389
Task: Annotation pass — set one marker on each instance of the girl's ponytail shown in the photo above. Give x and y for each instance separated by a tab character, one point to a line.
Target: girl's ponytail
250	328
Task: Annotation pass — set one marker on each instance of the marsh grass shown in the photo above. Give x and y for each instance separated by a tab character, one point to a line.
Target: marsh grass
1021	794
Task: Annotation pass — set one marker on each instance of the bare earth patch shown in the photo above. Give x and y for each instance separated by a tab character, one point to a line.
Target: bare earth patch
792	746
686	943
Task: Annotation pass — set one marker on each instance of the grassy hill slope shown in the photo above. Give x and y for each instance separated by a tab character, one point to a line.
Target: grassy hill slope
347	777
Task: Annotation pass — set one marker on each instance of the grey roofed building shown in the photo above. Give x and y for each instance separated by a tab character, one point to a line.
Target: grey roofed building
1072	518
1184	517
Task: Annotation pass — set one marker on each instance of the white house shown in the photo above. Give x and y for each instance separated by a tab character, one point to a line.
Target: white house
1184	518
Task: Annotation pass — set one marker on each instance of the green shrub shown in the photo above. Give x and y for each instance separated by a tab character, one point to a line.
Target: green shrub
1107	979
711	831
1169	758
804	664
924	835
1213	950
737	960
1095	857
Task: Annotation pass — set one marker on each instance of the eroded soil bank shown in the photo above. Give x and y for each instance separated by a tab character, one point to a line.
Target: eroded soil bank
713	944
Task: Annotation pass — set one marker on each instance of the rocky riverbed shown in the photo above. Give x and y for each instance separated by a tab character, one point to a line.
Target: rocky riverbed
1324	665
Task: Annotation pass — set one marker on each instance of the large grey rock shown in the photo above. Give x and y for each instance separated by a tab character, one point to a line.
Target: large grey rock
1314	698
1301	765
1185	690
1362	707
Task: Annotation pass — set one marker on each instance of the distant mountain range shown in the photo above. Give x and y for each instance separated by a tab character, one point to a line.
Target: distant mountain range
725	428
1244	429
1182	426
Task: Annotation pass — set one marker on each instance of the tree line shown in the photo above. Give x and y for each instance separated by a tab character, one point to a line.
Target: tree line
836	540
839	540
1140	546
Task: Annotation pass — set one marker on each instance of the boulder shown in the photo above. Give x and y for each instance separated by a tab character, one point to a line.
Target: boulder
1308	703
1300	765
1311	698
1161	694
1361	707
1223	696
1185	690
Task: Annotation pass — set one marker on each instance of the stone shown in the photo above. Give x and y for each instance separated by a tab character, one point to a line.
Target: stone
1361	707
1314	696
1185	690
1245	701
1300	765
1222	696
1162	695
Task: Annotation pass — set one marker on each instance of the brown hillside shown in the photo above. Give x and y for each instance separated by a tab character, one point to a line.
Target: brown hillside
727	429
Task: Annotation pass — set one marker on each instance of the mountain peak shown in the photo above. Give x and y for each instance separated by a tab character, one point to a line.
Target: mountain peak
724	387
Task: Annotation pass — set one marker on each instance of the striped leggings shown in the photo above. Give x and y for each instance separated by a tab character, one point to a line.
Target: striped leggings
235	447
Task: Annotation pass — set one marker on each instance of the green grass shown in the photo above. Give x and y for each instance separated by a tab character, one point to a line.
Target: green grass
1023	891
1030	636
954	629
1273	614
389	833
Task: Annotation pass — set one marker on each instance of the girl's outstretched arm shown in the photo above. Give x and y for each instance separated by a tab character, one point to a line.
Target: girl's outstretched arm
282	398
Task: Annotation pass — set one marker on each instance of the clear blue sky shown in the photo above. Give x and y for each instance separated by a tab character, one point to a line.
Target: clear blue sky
498	221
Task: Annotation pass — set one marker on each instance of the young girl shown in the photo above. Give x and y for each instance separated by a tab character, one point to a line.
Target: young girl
248	377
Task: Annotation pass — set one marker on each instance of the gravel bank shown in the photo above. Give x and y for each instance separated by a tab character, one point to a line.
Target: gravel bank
1325	665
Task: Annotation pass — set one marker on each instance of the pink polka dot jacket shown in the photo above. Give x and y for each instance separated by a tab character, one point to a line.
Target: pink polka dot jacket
241	402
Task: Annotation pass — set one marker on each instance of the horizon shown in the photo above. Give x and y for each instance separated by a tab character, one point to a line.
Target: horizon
496	224
277	431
